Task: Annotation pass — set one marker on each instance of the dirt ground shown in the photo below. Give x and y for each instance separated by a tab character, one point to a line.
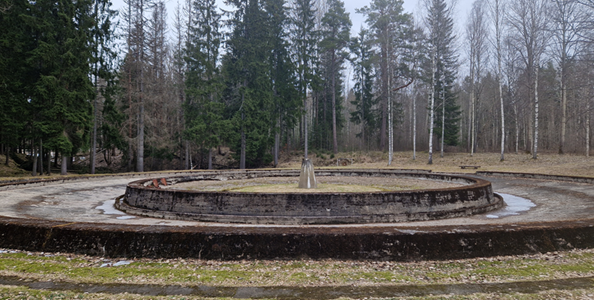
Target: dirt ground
326	184
576	165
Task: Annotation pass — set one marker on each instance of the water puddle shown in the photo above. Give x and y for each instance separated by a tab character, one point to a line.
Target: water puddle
116	264
108	208
514	206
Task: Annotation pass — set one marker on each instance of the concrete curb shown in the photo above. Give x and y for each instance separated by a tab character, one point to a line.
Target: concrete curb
360	242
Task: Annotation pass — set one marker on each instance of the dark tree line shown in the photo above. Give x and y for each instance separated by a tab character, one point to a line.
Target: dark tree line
274	76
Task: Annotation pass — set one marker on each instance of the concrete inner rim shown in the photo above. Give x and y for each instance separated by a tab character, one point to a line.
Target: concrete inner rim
148	198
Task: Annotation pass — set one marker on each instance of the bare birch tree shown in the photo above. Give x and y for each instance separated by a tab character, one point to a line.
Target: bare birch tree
568	19
528	21
476	34
497	11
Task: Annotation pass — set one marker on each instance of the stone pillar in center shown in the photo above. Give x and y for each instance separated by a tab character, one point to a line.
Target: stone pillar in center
307	177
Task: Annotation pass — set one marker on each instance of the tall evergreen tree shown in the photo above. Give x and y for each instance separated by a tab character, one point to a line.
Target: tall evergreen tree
102	63
14	74
282	73
205	125
60	61
305	39
336	26
387	21
442	39
249	95
365	112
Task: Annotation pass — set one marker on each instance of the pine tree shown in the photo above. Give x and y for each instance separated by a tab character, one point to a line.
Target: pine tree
387	22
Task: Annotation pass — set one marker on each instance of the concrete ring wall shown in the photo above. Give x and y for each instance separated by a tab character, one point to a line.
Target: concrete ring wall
144	197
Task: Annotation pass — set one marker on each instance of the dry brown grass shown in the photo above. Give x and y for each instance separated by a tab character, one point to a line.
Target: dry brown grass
545	164
11	170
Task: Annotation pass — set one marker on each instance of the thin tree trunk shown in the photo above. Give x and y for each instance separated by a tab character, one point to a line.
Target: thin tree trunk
187	146
472	116
140	157
242	154
277	143
6	155
390	125
34	155
94	142
363	143
563	110
414	126
305	137
49	162
442	119
242	142
499	75
334	134
588	126
94	138
472	99
210	158
64	169
535	145
432	107
40	156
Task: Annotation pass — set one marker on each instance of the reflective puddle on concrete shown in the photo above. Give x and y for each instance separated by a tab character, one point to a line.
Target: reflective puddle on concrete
514	206
108	208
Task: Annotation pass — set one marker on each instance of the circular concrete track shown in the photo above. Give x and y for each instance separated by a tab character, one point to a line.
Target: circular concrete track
154	198
77	215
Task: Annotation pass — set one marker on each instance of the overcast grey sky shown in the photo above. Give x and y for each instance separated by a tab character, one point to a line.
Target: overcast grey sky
462	7
411	6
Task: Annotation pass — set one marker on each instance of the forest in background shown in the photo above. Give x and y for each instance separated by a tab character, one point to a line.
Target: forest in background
274	76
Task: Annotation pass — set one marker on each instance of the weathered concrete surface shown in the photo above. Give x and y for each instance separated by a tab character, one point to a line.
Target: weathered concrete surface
64	217
143	197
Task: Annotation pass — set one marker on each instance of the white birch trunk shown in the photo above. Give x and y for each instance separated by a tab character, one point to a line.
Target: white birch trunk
499	75
432	107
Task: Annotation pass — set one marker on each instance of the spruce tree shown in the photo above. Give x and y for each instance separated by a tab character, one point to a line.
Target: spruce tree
441	40
336	26
14	74
305	39
248	92
203	109
60	61
282	73
102	41
365	113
